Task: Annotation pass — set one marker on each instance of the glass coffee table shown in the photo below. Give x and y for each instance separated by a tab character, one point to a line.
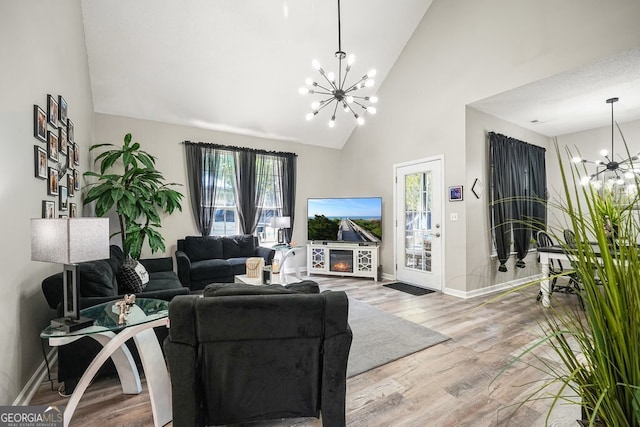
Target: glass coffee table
146	314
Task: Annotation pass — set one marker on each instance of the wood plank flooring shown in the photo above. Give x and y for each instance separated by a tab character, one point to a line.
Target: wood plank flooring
456	383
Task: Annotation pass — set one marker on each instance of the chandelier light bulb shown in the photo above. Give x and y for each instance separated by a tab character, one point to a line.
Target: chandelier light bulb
349	99
345	107
351	59
629	175
373	99
315	64
315	105
585	180
576	159
620	181
332	122
360	121
309	116
599	162
371	73
369	83
604	153
303	91
331	76
309	81
372	110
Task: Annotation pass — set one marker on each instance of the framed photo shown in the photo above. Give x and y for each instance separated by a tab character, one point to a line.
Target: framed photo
48	209
455	193
70	153
53	182
73	210
52	111
76	181
40	157
52	146
39	123
71	184
62	204
70	131
63	216
62	141
62	111
76	155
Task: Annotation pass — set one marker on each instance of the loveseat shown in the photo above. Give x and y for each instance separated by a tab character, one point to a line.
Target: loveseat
203	260
98	282
245	353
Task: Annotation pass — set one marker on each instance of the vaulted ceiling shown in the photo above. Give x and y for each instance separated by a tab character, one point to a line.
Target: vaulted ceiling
237	65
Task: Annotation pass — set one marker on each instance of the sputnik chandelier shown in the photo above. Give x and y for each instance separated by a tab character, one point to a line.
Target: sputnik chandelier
620	170
337	90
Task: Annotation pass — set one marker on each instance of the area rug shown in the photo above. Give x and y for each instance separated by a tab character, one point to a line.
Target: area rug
410	289
380	337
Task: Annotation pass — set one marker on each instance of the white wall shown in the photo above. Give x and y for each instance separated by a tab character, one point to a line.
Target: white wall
463	51
43	51
315	166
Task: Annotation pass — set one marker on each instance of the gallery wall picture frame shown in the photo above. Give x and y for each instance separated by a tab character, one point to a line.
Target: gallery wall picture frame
70	131
70	153
71	184
48	209
40	165
76	155
52	145
62	141
62	111
76	180
63	199
455	193
53	182
39	123
73	210
52	111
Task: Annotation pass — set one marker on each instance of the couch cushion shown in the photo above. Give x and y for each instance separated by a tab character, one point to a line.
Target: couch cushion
222	289
162	280
239	246
200	248
116	259
239	265
97	279
210	269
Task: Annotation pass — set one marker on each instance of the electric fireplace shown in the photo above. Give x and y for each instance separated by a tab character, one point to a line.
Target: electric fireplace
341	261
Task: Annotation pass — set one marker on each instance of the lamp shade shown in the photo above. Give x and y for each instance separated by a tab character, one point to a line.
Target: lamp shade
69	240
281	222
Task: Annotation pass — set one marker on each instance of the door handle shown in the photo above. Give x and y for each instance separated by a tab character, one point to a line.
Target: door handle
437	234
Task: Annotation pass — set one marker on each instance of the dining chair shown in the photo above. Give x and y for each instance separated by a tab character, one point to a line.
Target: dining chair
544	240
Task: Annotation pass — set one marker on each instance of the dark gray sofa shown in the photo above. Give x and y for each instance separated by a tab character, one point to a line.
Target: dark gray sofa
98	283
244	353
216	259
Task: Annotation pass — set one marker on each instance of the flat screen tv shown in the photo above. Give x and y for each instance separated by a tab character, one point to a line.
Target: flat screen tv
355	219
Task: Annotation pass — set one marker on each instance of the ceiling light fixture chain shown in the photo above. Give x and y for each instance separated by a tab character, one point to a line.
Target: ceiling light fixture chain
621	169
336	88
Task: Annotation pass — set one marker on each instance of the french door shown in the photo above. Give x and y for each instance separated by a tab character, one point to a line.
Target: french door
418	218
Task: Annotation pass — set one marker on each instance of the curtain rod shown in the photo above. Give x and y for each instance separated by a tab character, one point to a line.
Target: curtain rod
234	148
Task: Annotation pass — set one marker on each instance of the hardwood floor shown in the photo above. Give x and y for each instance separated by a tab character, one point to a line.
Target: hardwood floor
456	383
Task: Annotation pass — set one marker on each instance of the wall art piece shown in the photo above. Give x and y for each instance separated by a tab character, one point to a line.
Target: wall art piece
62	203
70	153
48	209
71	184
73	210
63	216
62	141
477	188
53	182
52	111
455	193
62	111
39	123
52	146
40	157
70	130
76	155
76	180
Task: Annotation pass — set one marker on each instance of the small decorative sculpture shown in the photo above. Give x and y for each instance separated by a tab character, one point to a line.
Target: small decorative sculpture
125	305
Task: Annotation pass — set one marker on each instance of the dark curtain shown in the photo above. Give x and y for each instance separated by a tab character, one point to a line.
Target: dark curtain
518	183
250	183
202	166
288	186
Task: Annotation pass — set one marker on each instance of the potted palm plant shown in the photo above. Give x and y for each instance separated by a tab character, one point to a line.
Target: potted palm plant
129	182
598	346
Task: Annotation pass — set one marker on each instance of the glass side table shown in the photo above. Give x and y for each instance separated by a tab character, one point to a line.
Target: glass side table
146	314
287	251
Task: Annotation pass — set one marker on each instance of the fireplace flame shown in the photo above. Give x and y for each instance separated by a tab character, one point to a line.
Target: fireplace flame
344	267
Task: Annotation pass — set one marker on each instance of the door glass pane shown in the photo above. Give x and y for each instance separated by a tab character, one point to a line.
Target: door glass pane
417	207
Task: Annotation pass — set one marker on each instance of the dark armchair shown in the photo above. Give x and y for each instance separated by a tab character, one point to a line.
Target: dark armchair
244	353
216	259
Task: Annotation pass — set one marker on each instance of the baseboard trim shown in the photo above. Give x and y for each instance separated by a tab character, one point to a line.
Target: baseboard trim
31	387
492	289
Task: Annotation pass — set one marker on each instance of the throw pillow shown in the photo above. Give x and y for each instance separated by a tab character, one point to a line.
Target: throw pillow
133	277
96	279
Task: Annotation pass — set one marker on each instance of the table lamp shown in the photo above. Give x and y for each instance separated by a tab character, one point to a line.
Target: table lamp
70	241
281	222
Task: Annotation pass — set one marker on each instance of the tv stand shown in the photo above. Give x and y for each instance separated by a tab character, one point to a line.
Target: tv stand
343	259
